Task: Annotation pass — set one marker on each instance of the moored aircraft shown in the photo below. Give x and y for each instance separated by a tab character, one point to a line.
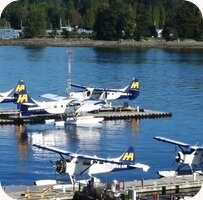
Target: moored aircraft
28	106
189	155
94	93
77	164
131	92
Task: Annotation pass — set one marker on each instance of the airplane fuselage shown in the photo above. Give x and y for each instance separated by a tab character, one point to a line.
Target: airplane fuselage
5	98
79	167
52	107
97	95
193	159
63	106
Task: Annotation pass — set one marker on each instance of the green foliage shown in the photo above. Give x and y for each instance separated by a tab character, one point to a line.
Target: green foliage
115	22
35	24
184	23
110	19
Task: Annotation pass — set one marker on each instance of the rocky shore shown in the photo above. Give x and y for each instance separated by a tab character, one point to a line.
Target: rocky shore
100	43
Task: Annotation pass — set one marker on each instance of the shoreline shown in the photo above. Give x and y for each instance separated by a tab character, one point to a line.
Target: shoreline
186	44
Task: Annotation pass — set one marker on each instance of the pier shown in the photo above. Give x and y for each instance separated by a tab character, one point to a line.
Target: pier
112	113
154	189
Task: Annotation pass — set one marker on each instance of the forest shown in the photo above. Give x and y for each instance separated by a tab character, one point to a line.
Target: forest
109	19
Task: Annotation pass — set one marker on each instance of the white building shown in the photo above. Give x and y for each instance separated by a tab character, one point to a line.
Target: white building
9	33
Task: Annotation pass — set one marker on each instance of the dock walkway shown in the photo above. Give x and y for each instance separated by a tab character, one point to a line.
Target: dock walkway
163	188
112	113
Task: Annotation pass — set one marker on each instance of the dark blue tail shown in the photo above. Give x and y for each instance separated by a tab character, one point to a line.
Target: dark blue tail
133	89
128	156
11	95
19	87
24	101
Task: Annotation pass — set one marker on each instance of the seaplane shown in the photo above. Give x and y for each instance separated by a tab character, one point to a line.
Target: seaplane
31	107
77	165
131	92
94	93
10	96
189	156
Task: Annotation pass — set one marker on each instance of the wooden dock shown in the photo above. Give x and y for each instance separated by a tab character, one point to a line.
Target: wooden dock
163	188
130	112
112	113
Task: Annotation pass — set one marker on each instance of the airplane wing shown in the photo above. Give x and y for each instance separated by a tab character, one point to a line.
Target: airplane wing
163	139
78	86
53	97
95	88
75	155
53	149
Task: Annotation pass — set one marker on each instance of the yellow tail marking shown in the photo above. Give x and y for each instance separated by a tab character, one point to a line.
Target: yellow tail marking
20	87
22	98
128	156
135	85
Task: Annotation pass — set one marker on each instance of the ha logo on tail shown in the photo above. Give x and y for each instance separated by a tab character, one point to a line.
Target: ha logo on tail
11	95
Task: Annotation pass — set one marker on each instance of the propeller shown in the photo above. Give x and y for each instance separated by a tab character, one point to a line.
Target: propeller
180	157
60	166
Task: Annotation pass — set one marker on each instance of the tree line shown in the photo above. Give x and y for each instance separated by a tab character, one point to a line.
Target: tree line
109	19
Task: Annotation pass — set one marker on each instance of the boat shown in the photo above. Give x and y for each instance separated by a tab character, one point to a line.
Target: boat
78	120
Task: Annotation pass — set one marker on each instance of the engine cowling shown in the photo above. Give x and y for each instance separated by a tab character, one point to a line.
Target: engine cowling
60	166
180	157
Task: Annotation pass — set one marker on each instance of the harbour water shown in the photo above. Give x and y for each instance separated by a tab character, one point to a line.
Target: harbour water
171	80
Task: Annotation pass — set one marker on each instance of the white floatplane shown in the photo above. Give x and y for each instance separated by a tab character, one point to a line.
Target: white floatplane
78	164
95	93
30	107
131	92
190	156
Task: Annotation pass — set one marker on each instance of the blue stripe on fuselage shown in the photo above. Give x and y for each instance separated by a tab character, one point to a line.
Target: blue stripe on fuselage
121	169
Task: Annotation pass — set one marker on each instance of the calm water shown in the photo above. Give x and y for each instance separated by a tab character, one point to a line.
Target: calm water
171	80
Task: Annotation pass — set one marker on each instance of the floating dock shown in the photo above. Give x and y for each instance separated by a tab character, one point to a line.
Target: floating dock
130	112
112	113
154	189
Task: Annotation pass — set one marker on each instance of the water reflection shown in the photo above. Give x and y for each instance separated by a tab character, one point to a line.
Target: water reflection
83	135
116	125
49	137
22	140
135	125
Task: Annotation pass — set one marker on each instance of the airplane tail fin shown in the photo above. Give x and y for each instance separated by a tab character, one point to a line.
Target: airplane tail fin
23	101
19	87
133	89
128	157
11	95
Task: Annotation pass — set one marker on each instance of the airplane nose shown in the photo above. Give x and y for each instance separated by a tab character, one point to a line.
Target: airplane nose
60	166
179	157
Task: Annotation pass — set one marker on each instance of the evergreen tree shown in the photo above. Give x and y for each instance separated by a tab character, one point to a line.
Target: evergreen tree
115	22
35	25
110	19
